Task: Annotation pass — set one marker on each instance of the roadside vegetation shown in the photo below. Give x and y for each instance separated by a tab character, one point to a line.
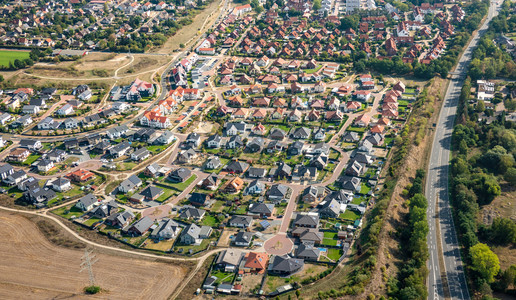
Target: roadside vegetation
483	165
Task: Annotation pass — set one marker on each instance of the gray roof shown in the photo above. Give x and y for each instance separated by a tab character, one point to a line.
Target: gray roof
305	220
286	264
121	217
308	251
153	168
120	147
192	230
237	166
256	172
330	207
151	191
214	138
143	224
88	200
243	220
351	136
140	152
243	237
131	182
277	133
192	212
165	229
261	208
278	190
182	173
301	133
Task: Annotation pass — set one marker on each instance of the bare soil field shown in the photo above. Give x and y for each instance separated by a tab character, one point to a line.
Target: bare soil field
143	63
23	80
186	33
33	267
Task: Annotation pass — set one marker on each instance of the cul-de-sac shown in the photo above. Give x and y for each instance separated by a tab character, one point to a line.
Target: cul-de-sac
287	149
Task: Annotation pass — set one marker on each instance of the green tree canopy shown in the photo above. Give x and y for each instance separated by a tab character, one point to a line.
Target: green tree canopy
484	261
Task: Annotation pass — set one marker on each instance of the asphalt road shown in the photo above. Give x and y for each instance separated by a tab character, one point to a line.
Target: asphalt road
439	214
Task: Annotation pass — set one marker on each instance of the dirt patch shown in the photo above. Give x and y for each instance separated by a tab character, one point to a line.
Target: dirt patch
143	63
32	267
55	235
197	280
224	238
188	32
204	127
250	282
503	206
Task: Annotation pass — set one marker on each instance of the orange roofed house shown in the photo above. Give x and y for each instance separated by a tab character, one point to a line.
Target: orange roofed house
80	175
256	262
234	186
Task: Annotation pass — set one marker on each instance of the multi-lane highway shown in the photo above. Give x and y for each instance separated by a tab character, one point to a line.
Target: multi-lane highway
447	279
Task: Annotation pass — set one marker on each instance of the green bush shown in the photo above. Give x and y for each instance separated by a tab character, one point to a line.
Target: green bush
92	289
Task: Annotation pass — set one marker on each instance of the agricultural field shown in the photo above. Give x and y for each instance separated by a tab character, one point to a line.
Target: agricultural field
7	56
38	274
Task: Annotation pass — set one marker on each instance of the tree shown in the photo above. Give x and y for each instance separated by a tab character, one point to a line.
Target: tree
510	175
503	231
317	5
480	106
484	261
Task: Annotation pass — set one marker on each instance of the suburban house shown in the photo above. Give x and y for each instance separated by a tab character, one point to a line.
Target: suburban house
193	234
285	265
86	202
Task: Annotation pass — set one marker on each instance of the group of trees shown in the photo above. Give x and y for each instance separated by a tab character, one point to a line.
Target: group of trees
410	283
35	55
489	60
484	156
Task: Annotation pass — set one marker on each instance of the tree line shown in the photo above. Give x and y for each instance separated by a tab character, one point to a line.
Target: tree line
410	282
484	157
489	60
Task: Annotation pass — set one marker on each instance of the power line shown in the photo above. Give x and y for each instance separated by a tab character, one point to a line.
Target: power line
88	260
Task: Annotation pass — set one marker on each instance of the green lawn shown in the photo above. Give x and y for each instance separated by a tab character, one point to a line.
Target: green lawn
329	242
91	221
241	210
125	166
356	129
68	212
167	193
7	56
196	248
370	172
334	154
222	276
31	159
334	254
155	149
210	220
403	102
358	200
349	215
364	188
311	71
181	186
330	235
217	206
